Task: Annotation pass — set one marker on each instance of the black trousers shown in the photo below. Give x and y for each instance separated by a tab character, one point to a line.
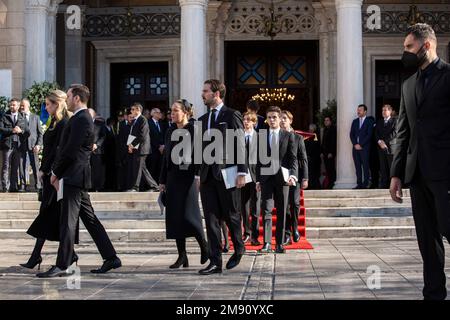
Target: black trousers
362	165
141	171
385	167
274	192
330	167
250	207
10	169
76	203
220	204
98	172
293	211
29	158
431	211
154	162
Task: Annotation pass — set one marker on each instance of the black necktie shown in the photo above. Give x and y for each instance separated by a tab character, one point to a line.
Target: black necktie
213	118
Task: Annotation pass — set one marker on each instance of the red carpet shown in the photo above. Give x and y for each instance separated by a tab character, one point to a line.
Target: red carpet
302	244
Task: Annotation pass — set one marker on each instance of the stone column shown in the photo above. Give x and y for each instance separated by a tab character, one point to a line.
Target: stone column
193	52
36	12
349	84
74	54
51	40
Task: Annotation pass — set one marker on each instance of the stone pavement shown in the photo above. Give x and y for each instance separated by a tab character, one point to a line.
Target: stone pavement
335	269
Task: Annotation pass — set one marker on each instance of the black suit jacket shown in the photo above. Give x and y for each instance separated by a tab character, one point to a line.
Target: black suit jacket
423	129
140	130
287	156
226	119
33	137
364	133
156	136
6	127
329	141
301	171
100	132
74	153
386	132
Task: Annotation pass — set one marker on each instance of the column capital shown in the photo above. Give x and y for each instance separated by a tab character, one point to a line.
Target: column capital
48	5
188	3
347	4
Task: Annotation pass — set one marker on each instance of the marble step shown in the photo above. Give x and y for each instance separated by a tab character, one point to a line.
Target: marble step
108	205
365	193
355	202
358	211
95	196
160	223
312	233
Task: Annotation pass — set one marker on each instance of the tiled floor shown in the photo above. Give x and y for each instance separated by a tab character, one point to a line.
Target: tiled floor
335	269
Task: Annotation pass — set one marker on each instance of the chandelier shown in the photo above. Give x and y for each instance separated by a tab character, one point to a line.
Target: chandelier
273	24
274	96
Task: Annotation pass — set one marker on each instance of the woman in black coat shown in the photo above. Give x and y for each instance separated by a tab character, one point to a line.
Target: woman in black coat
46	224
183	218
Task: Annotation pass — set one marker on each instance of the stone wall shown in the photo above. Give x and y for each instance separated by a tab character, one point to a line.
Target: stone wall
12	43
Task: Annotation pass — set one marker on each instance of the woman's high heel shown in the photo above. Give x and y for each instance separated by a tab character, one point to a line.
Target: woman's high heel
32	264
181	261
75	259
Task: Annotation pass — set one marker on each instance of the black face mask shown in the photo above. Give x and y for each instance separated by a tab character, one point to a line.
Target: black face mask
412	60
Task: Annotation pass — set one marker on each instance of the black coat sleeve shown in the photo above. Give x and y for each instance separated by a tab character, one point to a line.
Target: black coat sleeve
400	144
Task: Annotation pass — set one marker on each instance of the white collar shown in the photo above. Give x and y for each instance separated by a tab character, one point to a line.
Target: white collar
387	119
219	107
249	133
277	131
15	114
363	118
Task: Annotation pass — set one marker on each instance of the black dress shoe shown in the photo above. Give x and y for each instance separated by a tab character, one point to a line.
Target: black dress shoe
246	238
255	242
210	269
234	260
296	236
280	249
267	248
108	265
226	248
53	272
288	241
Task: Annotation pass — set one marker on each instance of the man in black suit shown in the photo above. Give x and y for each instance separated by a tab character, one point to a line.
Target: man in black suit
329	147
253	106
157	134
361	137
219	203
97	157
422	152
110	156
139	147
122	156
73	167
385	133
271	181
249	197
30	145
13	125
301	173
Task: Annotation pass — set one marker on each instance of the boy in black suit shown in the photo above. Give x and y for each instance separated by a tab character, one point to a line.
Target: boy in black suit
271	181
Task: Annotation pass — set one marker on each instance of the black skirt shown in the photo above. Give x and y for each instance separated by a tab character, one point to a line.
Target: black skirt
183	217
46	224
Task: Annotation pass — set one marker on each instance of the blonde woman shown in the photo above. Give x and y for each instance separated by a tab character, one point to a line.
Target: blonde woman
46	224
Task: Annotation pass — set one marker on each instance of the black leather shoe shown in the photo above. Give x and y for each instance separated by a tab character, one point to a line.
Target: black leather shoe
234	260
296	236
246	238
226	248
280	249
288	241
53	272
108	265
210	269
255	242
267	248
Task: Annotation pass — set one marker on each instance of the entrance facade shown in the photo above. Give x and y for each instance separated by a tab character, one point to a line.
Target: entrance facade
146	83
274	64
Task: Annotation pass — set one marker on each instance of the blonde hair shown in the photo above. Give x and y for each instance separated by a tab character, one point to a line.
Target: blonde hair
59	98
251	115
288	114
186	107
